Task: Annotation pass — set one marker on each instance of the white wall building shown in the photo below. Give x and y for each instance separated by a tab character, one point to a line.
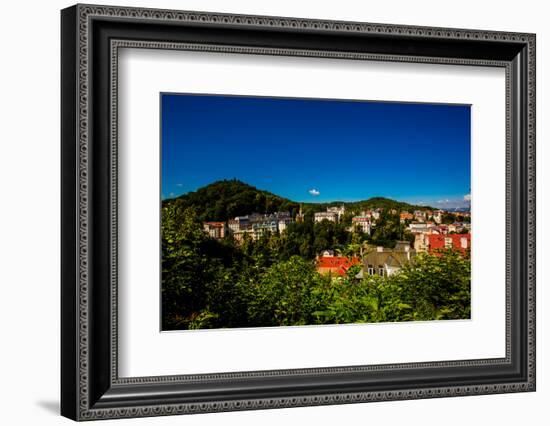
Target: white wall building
415	227
361	222
338	210
283	223
320	216
438	216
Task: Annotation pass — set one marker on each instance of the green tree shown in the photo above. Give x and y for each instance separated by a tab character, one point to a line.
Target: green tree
281	295
448	218
436	286
184	267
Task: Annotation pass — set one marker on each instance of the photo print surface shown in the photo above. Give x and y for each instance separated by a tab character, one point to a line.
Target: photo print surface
307	212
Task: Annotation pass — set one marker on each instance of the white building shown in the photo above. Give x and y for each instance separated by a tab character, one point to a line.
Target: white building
421	242
438	216
420	215
233	225
386	262
320	216
240	223
418	227
338	210
239	236
361	222
283	223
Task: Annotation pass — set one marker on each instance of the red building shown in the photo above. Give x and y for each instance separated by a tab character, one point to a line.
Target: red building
461	242
336	265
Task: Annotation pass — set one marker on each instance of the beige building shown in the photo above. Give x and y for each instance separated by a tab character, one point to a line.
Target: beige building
361	222
283	223
338	210
239	236
385	262
438	216
320	216
421	242
415	227
216	230
420	215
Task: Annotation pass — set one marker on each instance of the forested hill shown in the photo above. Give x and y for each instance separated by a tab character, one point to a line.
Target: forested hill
225	199
371	203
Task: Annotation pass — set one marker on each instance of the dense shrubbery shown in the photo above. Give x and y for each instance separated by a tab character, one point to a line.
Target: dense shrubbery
273	281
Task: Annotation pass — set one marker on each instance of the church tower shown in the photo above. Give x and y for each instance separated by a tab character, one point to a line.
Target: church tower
300	215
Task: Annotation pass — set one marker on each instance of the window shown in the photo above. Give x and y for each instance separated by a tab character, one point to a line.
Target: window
371	270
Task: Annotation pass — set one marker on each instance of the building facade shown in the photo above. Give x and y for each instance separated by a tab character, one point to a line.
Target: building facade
362	223
339	211
459	242
385	262
216	230
438	216
320	216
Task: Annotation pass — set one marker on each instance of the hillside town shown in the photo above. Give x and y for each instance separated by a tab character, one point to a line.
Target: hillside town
431	230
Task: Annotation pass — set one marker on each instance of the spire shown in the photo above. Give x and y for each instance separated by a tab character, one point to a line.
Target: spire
300	215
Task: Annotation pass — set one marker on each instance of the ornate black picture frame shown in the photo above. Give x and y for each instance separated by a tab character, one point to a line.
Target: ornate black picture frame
91	387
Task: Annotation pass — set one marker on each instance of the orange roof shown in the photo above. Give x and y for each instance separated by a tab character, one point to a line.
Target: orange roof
336	264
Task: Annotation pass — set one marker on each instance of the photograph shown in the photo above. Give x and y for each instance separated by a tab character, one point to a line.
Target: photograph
307	212
264	209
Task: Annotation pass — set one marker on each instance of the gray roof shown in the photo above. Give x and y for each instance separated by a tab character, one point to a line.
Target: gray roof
396	259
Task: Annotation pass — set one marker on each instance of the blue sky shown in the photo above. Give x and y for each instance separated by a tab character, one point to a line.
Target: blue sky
318	150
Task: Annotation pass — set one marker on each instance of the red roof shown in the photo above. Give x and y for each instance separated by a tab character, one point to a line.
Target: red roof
217	224
437	242
336	264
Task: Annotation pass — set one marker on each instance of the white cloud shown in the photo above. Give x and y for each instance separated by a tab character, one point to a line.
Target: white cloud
468	197
314	192
179	184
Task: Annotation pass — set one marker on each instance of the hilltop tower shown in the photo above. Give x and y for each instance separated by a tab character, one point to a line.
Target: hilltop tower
300	215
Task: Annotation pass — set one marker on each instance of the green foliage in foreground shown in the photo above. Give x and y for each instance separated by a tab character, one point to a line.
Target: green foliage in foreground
211	284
